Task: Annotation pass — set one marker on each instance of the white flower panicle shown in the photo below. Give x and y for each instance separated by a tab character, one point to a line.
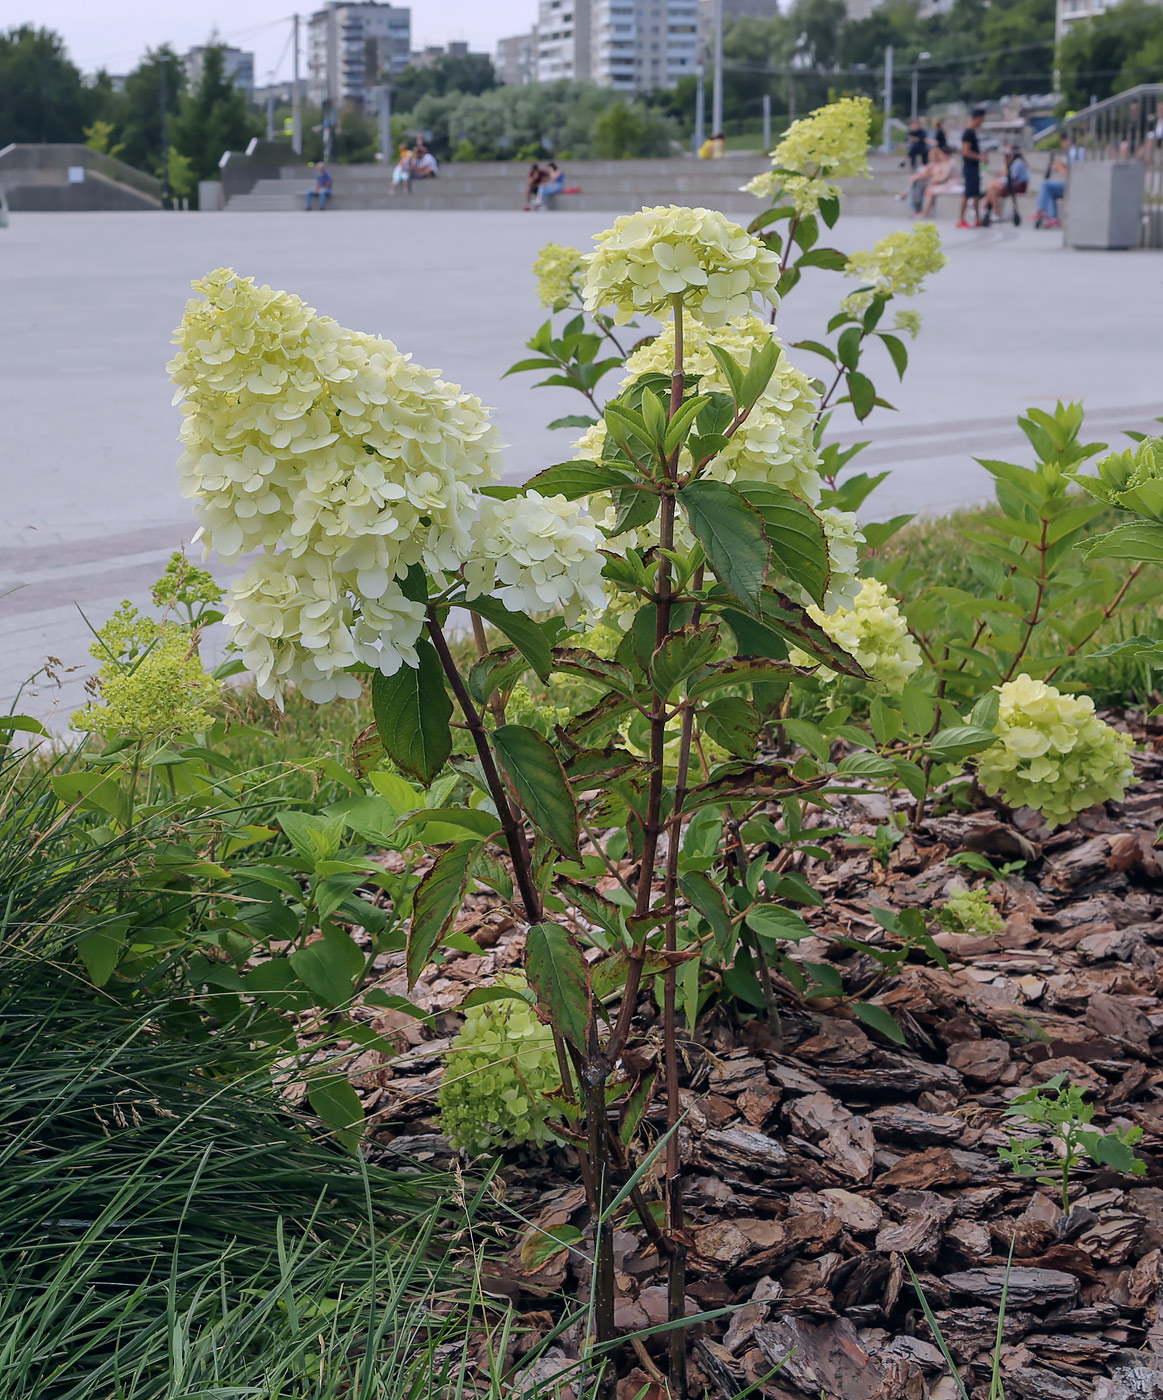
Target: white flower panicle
1053	752
874	632
899	263
537	554
337	455
830	143
843	536
647	259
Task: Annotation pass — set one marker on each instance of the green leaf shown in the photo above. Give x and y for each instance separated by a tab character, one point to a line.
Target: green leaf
831	258
759	373
25	724
897	350
733	372
496	670
412	713
329	967
776	921
539	781
96	792
705	896
100	950
339	1106
276	983
917	709
522	631
848	346
1139	540
862	394
866	765
961	740
685	651
573	420
437	826
731	533
559	975
732	721
816	348
796	536
437	902
574	479
314	838
830	209
880	1020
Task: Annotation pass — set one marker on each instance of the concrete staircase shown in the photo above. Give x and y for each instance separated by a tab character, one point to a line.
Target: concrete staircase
36	177
606	186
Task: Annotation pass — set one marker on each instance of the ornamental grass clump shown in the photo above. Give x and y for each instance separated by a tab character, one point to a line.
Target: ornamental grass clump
499	1075
1053	752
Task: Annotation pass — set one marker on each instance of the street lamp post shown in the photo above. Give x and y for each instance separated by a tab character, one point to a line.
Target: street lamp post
920	58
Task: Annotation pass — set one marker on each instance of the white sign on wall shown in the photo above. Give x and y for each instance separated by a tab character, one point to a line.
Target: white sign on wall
76	174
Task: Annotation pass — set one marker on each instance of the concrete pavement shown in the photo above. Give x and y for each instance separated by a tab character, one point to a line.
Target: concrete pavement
88	503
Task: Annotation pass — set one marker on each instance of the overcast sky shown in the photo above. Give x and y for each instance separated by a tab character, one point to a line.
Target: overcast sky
113	34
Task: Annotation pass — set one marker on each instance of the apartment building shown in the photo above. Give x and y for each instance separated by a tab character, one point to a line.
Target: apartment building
563	39
1072	11
350	45
515	61
641	45
237	64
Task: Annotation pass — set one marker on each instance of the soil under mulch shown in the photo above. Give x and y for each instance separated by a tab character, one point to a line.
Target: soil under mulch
815	1168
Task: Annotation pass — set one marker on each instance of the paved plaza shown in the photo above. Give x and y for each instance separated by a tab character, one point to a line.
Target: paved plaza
88	502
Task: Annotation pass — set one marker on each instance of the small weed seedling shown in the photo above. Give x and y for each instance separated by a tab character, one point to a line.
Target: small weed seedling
1063	1110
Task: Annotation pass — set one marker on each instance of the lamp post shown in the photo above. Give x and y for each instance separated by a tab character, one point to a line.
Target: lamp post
717	79
920	58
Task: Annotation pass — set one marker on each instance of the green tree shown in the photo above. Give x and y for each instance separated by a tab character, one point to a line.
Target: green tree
1119	49
213	118
356	138
817	25
469	73
141	107
42	97
627	129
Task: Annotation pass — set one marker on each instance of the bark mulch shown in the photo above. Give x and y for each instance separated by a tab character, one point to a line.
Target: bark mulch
816	1166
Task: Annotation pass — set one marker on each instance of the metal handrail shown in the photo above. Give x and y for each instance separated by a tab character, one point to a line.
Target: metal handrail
1127	126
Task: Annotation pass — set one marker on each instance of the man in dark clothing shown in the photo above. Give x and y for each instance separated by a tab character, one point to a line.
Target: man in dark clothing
971	160
918	147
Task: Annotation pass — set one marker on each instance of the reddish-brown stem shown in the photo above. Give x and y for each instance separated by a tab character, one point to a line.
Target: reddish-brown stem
1106	616
514	836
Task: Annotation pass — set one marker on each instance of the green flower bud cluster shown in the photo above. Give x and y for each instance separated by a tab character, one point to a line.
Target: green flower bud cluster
497	1074
557	268
970	912
183	584
1132	479
152	682
1053	752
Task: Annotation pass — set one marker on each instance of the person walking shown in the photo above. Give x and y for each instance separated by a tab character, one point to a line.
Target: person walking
971	163
322	190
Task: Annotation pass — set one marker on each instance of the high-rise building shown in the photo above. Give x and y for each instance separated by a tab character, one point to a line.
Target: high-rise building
1071	11
641	45
349	46
237	65
563	39
516	59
